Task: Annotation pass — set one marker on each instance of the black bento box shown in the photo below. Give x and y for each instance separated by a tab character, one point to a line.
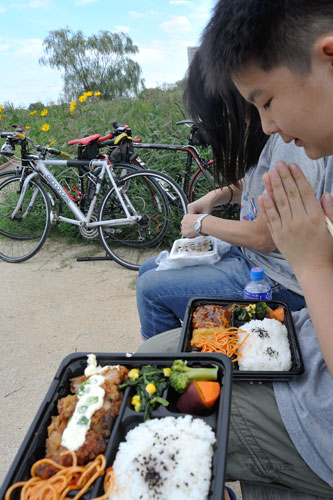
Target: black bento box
33	446
297	367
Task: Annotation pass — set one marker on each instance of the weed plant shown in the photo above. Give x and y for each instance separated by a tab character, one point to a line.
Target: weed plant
152	117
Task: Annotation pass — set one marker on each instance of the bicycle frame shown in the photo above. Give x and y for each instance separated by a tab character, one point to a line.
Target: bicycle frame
81	219
192	154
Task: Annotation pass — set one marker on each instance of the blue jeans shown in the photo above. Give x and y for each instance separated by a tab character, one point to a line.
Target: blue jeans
162	296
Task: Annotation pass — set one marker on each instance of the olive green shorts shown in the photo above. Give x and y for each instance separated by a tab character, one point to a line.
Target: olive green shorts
260	449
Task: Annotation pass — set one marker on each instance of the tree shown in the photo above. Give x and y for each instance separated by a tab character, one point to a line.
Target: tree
98	63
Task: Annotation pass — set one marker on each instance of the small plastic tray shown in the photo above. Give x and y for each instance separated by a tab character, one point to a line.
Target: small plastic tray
33	446
297	367
192	251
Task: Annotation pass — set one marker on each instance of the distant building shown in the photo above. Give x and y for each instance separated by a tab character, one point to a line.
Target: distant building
190	53
167	86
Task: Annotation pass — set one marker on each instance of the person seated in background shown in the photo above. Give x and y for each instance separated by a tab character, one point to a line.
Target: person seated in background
162	296
280	57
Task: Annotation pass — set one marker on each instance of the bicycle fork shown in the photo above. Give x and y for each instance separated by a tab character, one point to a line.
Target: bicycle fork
21	198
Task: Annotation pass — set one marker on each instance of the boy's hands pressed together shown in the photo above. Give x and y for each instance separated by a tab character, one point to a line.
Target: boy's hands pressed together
298	227
296	219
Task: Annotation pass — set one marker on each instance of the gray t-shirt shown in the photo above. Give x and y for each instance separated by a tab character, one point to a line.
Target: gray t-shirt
274	264
306	403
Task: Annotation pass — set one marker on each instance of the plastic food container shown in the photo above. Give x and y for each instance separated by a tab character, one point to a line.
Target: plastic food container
297	366
194	251
33	446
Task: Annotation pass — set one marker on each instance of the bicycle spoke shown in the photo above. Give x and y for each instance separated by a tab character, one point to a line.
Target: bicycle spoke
22	236
159	204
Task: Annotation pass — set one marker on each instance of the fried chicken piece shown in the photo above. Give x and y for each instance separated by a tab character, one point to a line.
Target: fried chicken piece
211	315
209	319
101	425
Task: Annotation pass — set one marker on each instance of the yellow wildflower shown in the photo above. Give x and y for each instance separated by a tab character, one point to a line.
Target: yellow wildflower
27	127
44	112
89	94
33	112
51	143
1	107
97	93
45	127
72	107
82	98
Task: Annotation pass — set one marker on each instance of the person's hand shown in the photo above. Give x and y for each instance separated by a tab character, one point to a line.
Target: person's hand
203	205
327	205
295	218
187	225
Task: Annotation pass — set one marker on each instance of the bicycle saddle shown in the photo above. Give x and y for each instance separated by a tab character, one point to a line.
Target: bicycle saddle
85	140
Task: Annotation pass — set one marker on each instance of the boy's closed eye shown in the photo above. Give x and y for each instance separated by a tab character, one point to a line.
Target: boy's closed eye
267	104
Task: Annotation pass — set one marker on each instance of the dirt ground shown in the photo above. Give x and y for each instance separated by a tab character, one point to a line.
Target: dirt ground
52	306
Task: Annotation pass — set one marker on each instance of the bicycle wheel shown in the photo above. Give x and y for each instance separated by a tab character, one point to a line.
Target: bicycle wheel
203	183
22	236
7	174
147	195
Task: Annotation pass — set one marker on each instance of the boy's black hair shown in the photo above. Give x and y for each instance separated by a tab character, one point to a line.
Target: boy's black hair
231	126
266	33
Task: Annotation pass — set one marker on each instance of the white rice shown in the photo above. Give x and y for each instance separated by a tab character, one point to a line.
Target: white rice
266	347
165	458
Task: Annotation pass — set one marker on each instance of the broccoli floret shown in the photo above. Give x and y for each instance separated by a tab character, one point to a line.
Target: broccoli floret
181	374
261	310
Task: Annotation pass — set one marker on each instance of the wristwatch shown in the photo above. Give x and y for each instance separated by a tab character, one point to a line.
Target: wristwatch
197	225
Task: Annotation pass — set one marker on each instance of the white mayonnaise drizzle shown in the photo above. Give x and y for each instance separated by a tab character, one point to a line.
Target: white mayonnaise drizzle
90	399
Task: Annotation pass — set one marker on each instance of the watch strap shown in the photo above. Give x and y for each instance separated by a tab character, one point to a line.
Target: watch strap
198	223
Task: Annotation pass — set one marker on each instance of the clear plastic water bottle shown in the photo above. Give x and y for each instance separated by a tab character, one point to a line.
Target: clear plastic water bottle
257	288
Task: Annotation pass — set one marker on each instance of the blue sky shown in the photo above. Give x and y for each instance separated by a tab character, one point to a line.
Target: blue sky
162	30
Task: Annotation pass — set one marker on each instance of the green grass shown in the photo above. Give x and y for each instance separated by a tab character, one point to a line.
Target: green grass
152	117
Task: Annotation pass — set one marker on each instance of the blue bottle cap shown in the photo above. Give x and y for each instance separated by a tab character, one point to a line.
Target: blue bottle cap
257	273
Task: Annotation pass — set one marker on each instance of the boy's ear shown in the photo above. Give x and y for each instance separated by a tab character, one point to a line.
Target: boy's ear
324	48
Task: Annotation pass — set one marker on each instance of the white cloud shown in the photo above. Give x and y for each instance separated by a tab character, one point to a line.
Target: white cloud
121	28
176	26
136	15
3	47
3	9
154	53
30	47
203	11
159	64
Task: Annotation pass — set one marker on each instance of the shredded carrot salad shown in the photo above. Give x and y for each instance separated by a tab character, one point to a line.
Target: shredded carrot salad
74	477
224	341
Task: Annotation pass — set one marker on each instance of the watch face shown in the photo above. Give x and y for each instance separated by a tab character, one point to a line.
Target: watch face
197	226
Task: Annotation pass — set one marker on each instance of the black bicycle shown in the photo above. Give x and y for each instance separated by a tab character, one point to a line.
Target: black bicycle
123	148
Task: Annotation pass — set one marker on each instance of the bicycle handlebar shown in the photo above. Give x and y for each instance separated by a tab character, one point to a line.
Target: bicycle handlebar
41	149
57	152
20	136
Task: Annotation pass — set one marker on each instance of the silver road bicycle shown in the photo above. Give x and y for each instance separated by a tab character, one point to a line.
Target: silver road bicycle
133	218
